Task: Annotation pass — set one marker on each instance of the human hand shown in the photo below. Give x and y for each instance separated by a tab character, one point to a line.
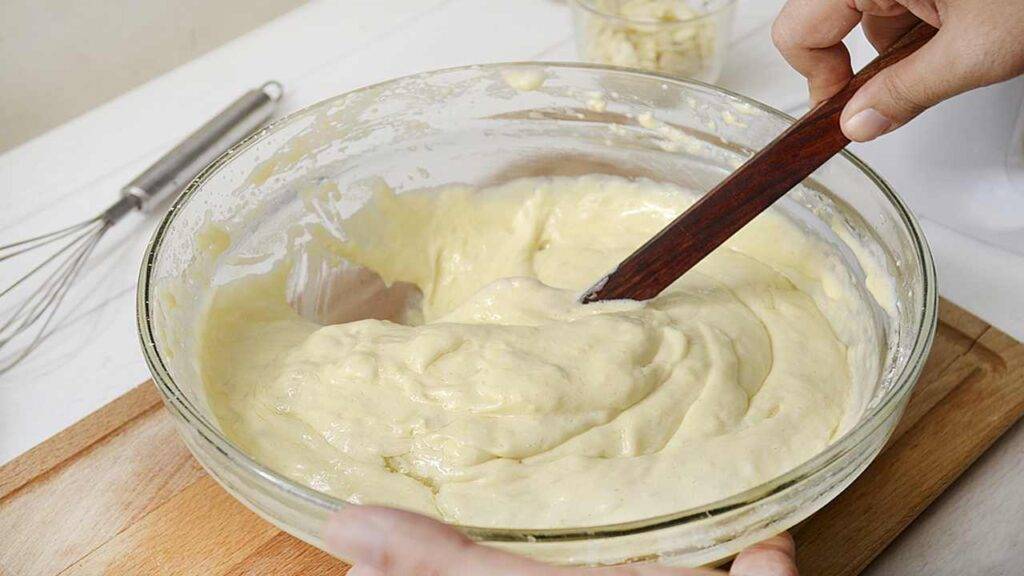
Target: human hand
978	43
387	542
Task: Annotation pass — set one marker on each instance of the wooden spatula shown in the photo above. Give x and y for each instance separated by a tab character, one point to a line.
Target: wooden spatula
745	193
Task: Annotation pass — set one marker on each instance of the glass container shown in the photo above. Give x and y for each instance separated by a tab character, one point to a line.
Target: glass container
483	125
688	38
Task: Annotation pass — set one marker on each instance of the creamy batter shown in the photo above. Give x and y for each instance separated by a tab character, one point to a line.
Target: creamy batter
502	402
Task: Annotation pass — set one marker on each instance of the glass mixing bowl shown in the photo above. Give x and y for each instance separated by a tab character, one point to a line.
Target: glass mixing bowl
486	124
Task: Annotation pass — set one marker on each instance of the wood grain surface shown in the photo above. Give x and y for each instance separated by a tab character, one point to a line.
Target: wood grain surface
118	493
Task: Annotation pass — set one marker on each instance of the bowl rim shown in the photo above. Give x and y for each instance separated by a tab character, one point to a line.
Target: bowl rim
904	381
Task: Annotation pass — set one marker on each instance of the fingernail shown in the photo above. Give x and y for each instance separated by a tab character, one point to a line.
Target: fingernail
764	565
358	541
364	571
866	125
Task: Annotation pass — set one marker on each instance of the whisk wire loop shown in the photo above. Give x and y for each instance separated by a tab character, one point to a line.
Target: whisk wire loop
8	251
37	311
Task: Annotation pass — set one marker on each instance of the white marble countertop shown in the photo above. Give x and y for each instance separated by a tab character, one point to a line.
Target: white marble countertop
325	48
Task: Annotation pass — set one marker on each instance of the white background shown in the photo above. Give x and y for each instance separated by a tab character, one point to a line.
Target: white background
324	48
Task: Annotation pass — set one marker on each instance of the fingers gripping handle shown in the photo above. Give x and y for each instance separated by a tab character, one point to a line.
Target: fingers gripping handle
752	188
179	166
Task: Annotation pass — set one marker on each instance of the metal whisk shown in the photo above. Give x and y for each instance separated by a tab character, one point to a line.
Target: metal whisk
28	305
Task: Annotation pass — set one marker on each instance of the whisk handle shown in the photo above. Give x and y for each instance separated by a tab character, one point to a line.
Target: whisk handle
179	166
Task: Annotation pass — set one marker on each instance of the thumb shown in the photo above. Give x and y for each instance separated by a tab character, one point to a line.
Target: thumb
388	542
773	557
936	71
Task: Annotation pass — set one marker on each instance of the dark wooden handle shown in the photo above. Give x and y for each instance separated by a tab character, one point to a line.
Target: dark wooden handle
745	193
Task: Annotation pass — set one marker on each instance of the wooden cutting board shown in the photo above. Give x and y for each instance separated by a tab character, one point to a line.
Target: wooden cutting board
118	493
